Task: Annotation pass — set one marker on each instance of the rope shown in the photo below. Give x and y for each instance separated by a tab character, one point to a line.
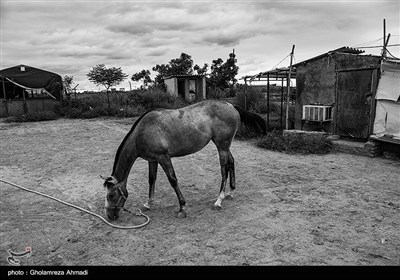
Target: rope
84	210
280	62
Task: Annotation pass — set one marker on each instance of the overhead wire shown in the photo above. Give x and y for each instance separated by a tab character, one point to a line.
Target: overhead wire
280	62
366	43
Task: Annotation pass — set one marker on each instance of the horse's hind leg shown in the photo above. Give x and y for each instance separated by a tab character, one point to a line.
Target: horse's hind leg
232	182
223	159
153	166
166	164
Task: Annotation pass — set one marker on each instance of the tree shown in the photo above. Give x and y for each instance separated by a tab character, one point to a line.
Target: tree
223	74
145	75
201	70
183	65
68	81
107	77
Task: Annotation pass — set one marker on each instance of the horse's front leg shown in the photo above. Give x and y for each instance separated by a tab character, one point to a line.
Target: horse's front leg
153	165
166	164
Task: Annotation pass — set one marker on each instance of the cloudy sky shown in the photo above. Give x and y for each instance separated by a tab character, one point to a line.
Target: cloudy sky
70	37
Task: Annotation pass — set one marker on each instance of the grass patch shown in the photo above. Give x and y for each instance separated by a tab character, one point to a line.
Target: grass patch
33	117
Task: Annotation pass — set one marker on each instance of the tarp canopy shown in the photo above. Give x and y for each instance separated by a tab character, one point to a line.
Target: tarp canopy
389	84
31	78
387	115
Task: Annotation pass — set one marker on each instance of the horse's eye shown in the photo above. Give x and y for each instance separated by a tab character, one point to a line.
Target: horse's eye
110	196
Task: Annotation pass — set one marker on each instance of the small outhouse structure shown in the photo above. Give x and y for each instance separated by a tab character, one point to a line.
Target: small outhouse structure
188	87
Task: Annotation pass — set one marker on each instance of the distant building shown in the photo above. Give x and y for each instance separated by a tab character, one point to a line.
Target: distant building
25	89
188	87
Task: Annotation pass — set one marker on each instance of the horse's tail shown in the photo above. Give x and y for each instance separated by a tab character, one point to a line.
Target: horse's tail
252	120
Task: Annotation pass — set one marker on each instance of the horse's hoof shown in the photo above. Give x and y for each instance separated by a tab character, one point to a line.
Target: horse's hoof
145	208
182	214
216	207
229	197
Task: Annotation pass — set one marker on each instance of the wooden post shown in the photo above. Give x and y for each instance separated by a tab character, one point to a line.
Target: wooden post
245	91
385	45
288	89
5	96
384	39
25	106
282	104
267	101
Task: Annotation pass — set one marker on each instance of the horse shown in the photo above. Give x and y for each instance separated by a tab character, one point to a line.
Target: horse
161	134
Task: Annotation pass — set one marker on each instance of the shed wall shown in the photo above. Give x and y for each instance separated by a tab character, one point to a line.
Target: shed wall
317	83
171	85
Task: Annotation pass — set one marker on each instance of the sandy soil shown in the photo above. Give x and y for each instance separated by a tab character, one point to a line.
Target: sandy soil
336	209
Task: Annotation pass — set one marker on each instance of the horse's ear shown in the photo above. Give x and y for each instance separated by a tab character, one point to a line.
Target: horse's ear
109	181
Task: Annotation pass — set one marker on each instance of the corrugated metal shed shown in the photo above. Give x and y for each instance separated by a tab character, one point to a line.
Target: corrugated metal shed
344	49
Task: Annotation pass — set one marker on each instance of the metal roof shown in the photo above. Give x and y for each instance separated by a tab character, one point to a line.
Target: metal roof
184	76
274	74
345	49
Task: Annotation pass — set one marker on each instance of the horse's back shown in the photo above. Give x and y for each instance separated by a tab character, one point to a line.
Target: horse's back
201	114
186	130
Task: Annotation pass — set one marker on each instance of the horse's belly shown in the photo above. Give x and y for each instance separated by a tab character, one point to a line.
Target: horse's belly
183	145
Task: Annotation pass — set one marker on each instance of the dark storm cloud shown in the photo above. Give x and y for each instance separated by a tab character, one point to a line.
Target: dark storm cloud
221	39
157	52
132	29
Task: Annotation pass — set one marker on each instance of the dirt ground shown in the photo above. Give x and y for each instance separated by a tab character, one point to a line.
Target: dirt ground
336	209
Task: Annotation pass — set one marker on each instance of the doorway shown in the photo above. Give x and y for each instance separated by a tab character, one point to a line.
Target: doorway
353	103
181	88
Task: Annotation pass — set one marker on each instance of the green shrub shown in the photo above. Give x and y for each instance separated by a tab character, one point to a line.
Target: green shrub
261	107
295	144
34	117
123	104
156	98
249	99
217	93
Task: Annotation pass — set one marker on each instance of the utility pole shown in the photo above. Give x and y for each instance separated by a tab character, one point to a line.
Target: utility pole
384	39
288	89
268	93
5	95
245	92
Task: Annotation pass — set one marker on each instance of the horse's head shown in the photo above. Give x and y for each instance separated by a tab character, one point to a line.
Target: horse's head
116	195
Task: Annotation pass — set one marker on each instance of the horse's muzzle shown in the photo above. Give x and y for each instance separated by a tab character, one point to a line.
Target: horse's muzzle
112	213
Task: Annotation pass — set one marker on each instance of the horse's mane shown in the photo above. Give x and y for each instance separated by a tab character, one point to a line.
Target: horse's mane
127	136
